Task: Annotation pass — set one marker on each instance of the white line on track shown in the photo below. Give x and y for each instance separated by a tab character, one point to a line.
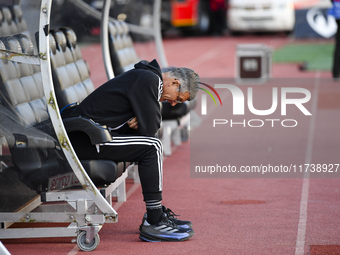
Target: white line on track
301	234
74	251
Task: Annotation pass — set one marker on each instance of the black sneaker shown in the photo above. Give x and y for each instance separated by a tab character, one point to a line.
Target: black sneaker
185	226
172	216
163	231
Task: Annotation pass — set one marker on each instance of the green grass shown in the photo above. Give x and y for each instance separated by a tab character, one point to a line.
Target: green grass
318	56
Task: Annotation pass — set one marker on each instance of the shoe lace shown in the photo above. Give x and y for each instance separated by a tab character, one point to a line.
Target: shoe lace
169	222
171	214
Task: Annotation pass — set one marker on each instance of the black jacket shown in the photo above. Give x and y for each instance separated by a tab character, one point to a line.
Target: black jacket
135	93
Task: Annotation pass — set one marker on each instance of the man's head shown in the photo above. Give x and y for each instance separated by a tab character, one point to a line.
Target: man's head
179	85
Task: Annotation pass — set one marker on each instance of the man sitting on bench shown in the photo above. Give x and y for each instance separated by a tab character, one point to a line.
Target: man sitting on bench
129	106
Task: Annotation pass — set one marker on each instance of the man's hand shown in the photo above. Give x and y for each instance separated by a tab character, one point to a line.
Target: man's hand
133	123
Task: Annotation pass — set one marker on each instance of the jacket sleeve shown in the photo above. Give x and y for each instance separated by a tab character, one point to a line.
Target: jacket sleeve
143	97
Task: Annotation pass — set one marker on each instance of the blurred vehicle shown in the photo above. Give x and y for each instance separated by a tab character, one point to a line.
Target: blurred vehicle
186	15
260	15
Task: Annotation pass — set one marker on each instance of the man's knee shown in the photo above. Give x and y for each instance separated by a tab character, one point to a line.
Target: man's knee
155	147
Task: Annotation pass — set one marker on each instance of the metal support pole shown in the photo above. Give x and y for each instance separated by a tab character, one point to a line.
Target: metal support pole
104	39
157	33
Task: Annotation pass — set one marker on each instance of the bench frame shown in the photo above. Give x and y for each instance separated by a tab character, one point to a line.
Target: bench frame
85	210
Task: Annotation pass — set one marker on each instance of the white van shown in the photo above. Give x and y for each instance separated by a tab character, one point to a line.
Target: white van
260	15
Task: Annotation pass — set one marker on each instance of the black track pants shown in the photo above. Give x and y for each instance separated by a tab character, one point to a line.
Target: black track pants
147	151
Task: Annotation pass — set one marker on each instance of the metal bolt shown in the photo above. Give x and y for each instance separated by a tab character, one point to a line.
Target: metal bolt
27	217
87	241
6	54
87	184
110	218
71	217
44	10
87	218
64	144
51	101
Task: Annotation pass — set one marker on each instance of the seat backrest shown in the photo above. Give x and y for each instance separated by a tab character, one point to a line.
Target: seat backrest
8	21
19	20
127	40
122	51
4	27
22	82
22	94
82	65
70	86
